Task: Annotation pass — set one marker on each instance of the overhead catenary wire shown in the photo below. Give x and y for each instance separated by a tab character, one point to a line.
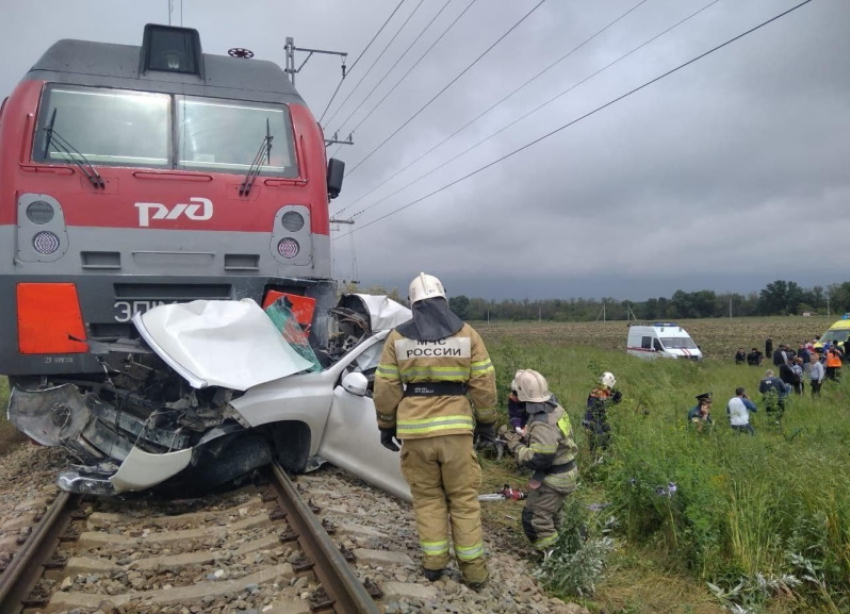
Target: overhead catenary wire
514	122
412	68
585	115
490	108
406	74
365	49
448	85
375	61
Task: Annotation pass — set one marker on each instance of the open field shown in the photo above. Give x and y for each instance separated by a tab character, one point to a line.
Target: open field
774	507
717	337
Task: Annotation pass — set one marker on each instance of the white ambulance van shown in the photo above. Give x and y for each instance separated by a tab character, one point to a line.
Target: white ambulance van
666	339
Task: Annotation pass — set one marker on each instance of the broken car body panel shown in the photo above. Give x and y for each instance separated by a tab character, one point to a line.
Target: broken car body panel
144	424
232	344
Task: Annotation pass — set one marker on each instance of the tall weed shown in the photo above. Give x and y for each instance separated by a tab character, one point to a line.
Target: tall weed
729	507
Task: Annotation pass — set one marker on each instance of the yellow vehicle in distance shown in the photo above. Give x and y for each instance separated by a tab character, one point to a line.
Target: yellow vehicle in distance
837	333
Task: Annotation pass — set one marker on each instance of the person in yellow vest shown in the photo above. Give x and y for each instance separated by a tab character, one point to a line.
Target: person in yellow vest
550	452
434	388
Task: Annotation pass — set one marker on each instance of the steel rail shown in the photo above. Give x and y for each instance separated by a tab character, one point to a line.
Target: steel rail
331	568
26	567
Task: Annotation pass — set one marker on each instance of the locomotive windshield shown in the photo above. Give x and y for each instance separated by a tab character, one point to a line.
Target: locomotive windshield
113	127
108	126
226	136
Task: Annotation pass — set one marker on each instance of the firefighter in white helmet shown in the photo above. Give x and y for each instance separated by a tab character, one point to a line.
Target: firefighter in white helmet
596	416
434	388
550	452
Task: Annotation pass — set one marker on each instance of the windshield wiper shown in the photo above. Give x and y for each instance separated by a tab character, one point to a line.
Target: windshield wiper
69	151
265	151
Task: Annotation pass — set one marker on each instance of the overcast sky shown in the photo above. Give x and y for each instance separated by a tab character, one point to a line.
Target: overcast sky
729	174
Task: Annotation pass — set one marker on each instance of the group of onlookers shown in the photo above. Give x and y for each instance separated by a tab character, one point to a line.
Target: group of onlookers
794	367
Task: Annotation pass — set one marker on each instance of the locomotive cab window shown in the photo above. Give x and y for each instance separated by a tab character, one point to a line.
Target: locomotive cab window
234	137
104	126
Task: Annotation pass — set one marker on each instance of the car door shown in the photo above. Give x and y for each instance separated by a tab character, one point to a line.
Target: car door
351	438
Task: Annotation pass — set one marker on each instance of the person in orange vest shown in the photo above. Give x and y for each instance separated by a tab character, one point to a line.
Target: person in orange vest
833	363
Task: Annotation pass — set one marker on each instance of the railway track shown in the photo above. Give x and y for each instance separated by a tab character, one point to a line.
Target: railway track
258	549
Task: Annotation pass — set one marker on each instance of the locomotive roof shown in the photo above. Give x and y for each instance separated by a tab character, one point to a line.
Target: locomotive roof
111	65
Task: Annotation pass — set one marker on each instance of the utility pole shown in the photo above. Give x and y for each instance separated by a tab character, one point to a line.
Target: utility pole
827	304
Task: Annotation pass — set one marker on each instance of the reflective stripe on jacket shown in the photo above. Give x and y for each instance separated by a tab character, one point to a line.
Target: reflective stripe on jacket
550	444
462	358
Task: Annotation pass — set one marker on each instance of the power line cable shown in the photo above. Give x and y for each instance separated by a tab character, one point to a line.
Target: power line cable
479	116
386	74
412	68
365	49
433	19
585	116
452	82
514	122
376	60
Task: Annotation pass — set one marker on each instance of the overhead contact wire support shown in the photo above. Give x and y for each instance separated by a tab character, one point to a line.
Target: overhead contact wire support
586	115
450	83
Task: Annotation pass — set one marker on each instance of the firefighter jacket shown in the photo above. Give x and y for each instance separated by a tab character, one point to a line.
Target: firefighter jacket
551	449
459	361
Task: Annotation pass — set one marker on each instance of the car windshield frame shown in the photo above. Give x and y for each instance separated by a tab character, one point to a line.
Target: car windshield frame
678	343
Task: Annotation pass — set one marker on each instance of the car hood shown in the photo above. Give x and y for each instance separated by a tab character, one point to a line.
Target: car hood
232	344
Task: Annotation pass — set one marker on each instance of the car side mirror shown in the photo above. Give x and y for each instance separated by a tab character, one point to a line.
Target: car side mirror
336	170
356	384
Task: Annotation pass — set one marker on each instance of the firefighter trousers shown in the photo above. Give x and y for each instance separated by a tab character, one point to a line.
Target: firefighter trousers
444	478
542	515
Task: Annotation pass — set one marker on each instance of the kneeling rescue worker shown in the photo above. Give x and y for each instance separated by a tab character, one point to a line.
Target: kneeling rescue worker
435	386
550	452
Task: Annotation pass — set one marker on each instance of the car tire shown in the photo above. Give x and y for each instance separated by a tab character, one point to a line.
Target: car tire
238	457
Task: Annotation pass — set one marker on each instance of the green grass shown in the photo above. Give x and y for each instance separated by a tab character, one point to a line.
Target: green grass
745	507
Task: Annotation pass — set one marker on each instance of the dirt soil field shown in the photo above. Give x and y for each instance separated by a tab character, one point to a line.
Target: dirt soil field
717	337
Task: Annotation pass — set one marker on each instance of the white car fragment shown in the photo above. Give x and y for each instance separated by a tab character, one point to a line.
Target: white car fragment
232	344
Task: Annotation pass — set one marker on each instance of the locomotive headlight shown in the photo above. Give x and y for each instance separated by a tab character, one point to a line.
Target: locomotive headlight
40	212
292	221
288	247
46	242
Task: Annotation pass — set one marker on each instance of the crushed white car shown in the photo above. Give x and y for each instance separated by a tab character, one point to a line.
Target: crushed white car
215	389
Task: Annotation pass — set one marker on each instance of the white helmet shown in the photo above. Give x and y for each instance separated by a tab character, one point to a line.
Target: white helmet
608	379
425	286
532	387
513	385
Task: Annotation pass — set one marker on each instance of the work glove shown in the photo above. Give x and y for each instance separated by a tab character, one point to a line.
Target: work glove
617	396
513	439
485	435
389	439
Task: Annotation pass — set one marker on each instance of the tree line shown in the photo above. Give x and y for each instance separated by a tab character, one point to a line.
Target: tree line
777	298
